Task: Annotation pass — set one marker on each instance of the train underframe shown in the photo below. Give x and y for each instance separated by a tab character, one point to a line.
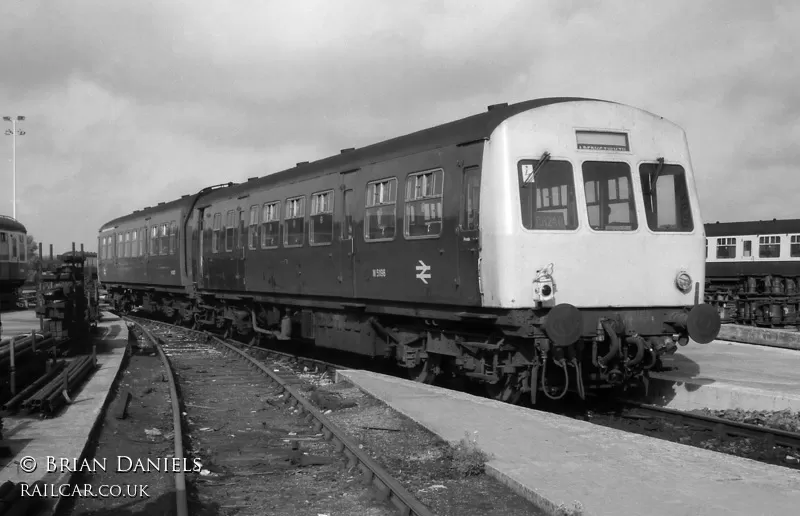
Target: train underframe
514	354
763	300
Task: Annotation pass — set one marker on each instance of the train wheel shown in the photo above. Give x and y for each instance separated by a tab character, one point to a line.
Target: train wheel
426	371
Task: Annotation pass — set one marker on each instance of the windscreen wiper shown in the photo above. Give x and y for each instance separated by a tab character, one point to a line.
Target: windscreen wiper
653	180
656	174
532	176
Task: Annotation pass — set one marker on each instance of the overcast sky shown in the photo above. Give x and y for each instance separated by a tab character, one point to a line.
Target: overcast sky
129	106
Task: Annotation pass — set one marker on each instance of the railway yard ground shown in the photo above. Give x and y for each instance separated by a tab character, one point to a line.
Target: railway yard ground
257	454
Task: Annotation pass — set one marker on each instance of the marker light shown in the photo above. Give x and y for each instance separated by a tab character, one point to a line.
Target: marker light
684	282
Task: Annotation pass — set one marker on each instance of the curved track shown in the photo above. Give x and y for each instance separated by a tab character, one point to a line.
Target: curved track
372	472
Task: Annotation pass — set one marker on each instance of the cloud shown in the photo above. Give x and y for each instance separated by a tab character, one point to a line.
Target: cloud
133	103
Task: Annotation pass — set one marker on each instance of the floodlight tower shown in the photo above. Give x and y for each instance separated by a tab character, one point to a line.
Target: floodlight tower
13	132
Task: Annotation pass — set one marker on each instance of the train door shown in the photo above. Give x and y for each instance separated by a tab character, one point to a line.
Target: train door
238	257
198	273
347	240
468	232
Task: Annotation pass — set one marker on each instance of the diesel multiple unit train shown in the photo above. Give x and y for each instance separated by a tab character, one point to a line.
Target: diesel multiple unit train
548	246
753	271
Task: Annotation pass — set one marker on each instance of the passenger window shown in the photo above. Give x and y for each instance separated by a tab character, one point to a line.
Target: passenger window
153	240
294	230
423	213
726	248
666	197
173	232
4	247
320	231
769	247
14	252
230	233
164	239
252	229
471	199
23	249
215	232
381	210
747	248
135	242
240	229
143	240
120	245
794	246
270	225
609	197
547	195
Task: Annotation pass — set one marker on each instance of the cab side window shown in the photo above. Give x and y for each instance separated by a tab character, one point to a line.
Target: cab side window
471	199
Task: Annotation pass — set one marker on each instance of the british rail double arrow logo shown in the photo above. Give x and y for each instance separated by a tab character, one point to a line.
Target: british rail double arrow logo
423	273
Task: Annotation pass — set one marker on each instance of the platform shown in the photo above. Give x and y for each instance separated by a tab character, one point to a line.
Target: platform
67	435
777	338
727	375
19	322
552	459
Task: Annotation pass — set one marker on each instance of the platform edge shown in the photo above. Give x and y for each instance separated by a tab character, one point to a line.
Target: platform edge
54	508
760	336
542	503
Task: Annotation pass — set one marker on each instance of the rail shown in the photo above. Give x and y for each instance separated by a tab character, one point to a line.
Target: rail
720	425
181	501
372	472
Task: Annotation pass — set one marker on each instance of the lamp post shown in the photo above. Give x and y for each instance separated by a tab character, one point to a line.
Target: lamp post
13	132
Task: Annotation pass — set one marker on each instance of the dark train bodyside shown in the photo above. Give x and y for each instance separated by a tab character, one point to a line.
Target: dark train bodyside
143	249
341	263
338	272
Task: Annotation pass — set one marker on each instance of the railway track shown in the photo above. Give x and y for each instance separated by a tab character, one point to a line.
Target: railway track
214	373
722	427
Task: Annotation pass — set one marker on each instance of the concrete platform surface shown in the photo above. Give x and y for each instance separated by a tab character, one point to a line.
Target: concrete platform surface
777	338
66	435
19	322
552	460
728	375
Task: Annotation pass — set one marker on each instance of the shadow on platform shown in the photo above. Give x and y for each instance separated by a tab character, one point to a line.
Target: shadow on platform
679	373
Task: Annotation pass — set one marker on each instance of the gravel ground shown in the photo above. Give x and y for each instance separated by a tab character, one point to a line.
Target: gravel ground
781	420
751	448
149	408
